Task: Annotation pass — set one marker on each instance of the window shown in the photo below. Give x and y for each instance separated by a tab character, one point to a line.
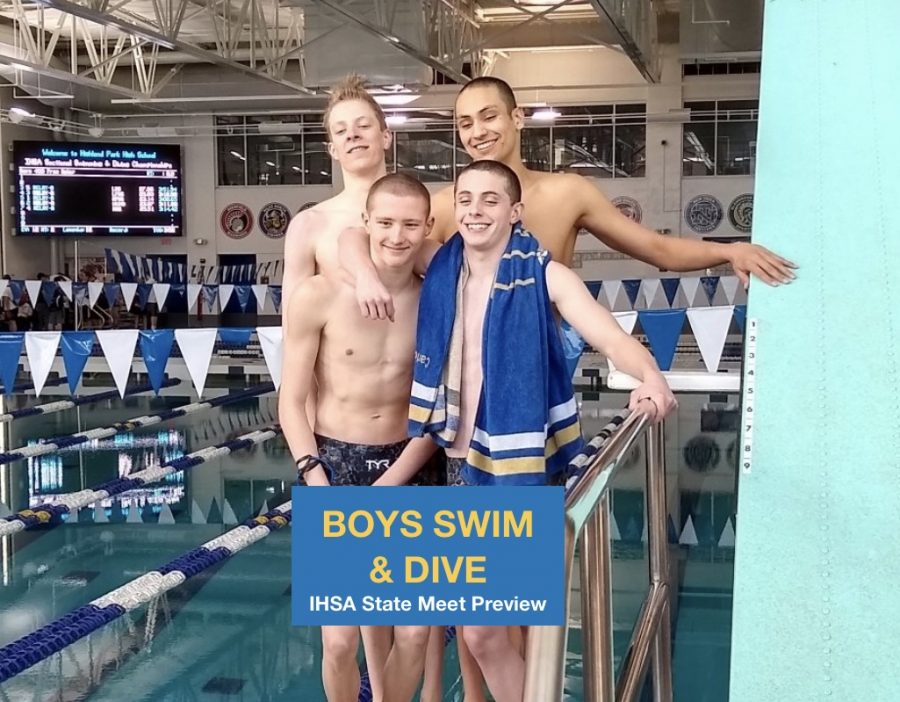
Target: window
427	155
536	153
272	150
603	141
720	138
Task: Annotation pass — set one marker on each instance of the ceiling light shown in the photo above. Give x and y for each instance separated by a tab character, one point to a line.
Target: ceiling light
17	114
547	115
395	100
237	155
395	120
269	163
95	132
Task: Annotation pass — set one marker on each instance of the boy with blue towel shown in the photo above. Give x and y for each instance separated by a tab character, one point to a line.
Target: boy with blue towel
490	382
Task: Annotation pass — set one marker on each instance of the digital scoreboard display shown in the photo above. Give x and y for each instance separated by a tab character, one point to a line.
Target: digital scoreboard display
98	189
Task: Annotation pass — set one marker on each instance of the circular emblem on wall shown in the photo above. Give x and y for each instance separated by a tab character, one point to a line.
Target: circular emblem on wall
629	207
236	220
274	219
701	454
308	205
740	212
703	213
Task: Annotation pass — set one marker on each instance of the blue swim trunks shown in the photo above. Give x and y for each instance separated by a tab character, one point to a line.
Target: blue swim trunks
573	346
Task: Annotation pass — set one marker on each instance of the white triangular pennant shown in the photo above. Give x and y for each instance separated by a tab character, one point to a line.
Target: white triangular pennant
193	292
729	284
134	515
726	540
197	516
128	292
118	347
649	291
689	288
264	509
40	347
94	290
259	291
611	289
614	533
626	320
196	348
100	516
228	515
161	292
270	341
34	290
688	534
710	325
225	295
66	287
165	514
72	517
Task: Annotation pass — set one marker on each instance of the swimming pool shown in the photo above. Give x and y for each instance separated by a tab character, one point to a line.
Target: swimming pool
225	634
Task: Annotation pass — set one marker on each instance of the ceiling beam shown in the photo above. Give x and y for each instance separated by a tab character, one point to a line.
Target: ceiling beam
156	37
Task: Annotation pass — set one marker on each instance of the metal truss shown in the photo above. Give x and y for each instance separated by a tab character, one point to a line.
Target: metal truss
257	38
452	31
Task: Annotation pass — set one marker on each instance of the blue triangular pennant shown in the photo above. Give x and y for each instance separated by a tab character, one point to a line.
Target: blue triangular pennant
111	291
16	287
235	336
670	286
662	327
210	293
10	350
156	347
80	293
740	315
594	286
180	291
215	514
242	293
76	350
710	285
670	530
143	294
632	288
632	530
48	291
275	294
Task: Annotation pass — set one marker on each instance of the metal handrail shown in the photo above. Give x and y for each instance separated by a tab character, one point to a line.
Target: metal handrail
587	519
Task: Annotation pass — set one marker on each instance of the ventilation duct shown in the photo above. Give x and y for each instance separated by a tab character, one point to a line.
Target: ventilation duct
350	48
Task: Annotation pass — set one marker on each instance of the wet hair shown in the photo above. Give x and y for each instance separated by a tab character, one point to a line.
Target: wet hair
402	185
511	180
352	88
502	87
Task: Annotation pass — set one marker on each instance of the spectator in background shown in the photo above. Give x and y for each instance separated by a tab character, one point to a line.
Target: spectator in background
59	306
24	313
9	306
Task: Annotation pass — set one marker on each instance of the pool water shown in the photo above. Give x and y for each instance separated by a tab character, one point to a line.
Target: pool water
225	634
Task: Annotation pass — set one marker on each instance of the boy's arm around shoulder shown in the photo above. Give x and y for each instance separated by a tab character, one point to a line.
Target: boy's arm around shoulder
305	317
601	330
299	252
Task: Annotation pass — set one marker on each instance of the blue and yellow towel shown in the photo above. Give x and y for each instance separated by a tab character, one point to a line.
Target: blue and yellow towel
526	426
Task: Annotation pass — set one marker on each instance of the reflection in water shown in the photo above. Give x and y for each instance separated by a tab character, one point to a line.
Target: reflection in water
45	473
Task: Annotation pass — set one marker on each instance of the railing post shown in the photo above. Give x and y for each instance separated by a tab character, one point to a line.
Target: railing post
658	544
545	664
596	606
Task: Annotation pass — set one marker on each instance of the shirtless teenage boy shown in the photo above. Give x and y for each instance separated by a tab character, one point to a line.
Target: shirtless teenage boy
489	124
487	206
357	139
364	373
